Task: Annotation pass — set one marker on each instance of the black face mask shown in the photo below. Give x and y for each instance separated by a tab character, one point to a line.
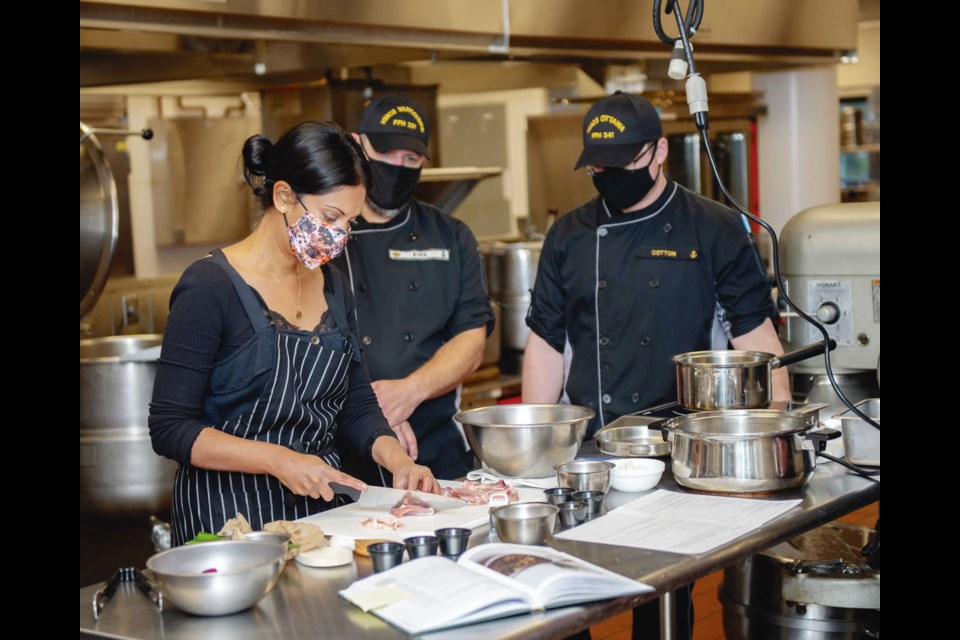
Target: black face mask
393	185
623	188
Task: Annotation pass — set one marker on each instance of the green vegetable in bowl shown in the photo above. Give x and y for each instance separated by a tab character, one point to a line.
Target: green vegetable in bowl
203	536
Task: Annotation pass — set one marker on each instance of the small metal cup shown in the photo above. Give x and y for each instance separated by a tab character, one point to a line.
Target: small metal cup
421	546
559	495
572	513
453	541
594	500
385	555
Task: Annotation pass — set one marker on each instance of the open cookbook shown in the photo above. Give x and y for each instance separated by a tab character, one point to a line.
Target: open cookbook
487	582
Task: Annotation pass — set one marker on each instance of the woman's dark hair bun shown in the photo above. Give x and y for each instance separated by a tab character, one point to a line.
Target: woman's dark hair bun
255	151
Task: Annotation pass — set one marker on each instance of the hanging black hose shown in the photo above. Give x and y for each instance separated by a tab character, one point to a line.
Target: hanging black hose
690	24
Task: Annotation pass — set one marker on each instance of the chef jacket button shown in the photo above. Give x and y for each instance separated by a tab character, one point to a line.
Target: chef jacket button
362	288
408	336
654	283
635	397
602	284
413	236
606	398
667	228
606	366
644	341
413	286
314	340
602	232
366	340
604	341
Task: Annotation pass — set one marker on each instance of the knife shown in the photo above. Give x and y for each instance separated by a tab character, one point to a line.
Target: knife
382	497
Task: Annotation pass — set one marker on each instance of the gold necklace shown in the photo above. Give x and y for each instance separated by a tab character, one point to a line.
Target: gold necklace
299	313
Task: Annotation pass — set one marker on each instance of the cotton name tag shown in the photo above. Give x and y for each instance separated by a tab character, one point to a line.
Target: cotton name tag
419	254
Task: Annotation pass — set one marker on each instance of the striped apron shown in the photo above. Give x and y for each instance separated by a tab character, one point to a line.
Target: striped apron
305	387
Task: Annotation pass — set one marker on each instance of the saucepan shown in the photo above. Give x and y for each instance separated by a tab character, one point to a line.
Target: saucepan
745	450
711	380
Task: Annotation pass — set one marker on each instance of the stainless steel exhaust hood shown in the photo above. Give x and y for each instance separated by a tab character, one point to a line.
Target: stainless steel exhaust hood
141	40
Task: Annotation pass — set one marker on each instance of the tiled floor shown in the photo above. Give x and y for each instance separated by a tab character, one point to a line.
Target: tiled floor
709	613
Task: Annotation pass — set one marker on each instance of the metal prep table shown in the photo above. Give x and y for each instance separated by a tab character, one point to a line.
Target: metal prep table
305	604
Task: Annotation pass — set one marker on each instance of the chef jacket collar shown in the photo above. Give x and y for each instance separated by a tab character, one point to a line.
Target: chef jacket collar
365	226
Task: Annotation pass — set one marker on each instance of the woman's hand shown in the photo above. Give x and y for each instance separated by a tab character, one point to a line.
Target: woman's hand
407	474
308	475
415	477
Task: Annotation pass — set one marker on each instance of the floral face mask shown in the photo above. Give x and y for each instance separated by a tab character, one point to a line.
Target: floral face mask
314	241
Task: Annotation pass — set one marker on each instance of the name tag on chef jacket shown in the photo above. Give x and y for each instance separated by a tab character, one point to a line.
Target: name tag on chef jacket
668	253
419	255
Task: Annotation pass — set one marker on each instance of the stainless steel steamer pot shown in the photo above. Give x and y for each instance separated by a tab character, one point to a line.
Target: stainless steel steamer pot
711	380
744	451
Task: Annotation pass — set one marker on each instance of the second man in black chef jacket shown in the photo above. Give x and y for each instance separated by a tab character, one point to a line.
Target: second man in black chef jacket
422	304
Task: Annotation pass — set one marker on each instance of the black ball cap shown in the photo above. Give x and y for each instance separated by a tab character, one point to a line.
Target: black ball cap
616	129
396	121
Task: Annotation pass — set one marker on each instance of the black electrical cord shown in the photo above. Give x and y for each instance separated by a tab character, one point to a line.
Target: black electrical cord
687	29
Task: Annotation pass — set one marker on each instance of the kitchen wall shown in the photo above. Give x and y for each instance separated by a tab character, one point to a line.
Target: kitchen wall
151	259
479	129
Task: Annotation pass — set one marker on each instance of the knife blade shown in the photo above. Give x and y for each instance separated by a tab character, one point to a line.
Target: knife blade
382	497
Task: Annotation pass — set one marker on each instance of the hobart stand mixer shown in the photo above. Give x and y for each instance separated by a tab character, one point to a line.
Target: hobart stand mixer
830	262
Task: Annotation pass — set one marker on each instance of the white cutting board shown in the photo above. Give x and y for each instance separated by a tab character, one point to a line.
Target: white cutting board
346	520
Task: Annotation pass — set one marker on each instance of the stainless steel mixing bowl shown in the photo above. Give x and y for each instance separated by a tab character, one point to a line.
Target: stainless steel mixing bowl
525	440
217	578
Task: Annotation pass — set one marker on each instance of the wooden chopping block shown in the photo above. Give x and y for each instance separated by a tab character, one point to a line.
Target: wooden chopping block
360	547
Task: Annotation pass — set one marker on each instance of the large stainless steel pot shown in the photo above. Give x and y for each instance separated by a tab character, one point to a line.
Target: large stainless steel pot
98	219
710	380
744	451
512	274
120	475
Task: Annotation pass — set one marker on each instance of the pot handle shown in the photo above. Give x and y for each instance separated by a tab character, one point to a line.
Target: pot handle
820	437
805	353
664	426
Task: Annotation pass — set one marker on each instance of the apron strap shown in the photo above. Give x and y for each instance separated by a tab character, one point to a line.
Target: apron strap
340	315
249	301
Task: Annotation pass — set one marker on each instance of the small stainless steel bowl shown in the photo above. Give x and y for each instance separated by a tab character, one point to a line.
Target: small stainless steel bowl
385	555
558	495
217	578
524	522
585	475
421	546
453	541
275	537
593	499
572	513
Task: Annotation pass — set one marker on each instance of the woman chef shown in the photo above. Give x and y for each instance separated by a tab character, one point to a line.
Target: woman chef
260	383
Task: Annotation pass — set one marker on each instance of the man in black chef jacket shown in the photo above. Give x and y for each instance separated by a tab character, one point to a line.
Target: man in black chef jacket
422	305
629	279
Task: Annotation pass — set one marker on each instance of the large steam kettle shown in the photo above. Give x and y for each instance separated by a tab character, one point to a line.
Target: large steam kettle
98	219
99	213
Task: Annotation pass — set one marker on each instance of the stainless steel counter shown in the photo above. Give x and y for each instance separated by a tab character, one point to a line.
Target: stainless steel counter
305	602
